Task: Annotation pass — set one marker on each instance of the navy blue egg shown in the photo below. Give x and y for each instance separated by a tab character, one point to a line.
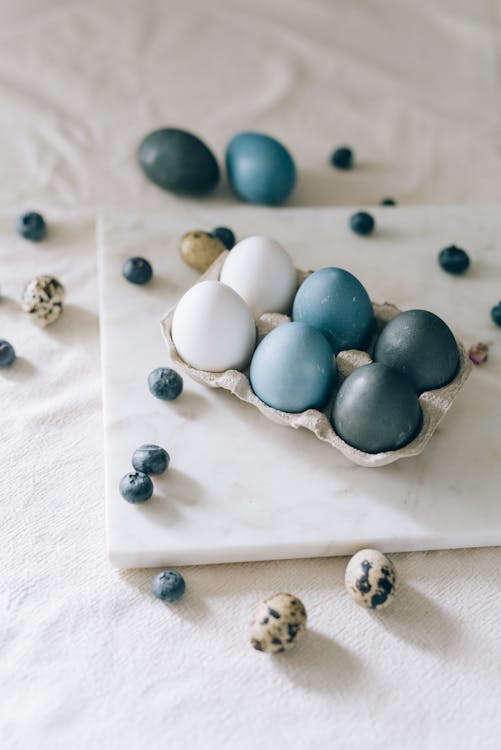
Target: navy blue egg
420	345
335	302
260	169
376	409
293	368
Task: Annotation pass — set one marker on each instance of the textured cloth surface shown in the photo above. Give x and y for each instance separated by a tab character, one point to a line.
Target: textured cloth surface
89	659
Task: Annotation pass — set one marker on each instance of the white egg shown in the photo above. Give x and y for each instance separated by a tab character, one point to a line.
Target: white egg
213	329
262	273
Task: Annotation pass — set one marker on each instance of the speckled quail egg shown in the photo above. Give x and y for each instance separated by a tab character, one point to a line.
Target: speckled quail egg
370	579
43	299
277	624
199	249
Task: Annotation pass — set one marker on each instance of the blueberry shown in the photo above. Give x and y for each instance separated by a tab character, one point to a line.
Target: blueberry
7	354
150	459
225	235
169	585
165	383
388	202
342	158
31	226
136	487
137	270
453	260
362	223
496	314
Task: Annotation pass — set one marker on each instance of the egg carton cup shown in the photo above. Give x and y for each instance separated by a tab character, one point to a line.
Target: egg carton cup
434	404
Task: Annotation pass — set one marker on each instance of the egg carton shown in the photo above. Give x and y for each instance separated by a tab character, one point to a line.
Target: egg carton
434	404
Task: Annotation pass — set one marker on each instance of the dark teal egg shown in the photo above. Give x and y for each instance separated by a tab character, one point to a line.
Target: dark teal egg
178	161
260	169
335	302
420	345
376	409
293	368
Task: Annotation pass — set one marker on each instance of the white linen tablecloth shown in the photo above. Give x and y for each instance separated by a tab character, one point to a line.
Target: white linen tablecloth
89	659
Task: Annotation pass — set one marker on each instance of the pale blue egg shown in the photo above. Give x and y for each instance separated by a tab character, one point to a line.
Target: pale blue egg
293	368
260	169
333	301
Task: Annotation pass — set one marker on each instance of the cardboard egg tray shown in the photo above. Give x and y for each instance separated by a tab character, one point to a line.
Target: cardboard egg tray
434	404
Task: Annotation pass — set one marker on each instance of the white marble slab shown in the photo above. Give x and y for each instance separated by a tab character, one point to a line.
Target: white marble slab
242	488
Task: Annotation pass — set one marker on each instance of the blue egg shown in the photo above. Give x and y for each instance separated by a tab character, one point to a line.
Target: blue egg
293	368
260	169
334	302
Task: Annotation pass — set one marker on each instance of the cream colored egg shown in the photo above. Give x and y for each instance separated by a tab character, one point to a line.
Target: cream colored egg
262	273
213	329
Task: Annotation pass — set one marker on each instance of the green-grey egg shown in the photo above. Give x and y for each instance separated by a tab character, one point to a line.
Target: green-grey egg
420	345
178	161
376	409
293	368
